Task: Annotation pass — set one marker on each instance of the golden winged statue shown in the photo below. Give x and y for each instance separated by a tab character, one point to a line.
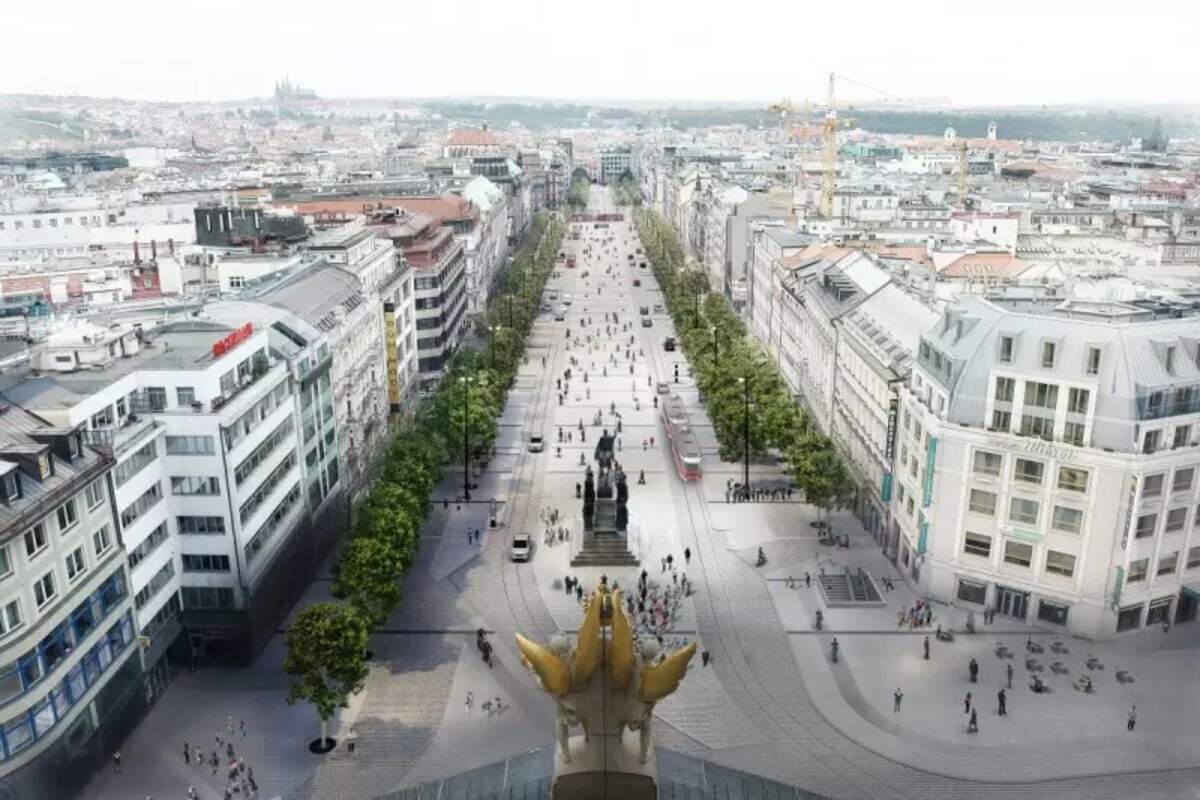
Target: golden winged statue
611	683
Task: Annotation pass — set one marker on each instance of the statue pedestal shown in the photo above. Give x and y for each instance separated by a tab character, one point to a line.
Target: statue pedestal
606	768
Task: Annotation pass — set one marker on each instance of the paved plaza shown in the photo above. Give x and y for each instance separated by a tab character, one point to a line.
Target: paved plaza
771	703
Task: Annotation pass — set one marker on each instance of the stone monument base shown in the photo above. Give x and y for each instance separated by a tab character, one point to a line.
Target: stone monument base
606	768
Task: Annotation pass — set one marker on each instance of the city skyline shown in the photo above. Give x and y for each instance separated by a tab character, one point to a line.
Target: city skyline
665	53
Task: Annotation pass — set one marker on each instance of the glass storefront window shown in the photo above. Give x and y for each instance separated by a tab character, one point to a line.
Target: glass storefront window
1129	618
61	699
75	683
17	734
43	718
972	592
10	683
1159	612
1054	613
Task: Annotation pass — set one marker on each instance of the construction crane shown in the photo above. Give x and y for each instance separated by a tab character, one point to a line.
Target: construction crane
829	162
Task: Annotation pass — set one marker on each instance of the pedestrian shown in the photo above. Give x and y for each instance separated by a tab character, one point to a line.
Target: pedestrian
687	555
1129	726
116	757
973	725
214	762
578	592
1003	703
664	565
973	668
229	749
470	702
242	728
191	793
967	703
670	560
187	754
229	725
705	658
897	697
499	707
926	648
352	740
807	581
1009	670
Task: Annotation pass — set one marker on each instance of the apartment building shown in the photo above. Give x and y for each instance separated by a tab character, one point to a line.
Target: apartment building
225	448
614	163
69	670
1047	463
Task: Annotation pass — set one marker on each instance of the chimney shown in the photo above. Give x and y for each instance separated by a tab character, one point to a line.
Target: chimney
153	250
137	258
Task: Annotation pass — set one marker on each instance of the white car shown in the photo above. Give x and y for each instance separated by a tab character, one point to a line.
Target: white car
522	547
662	388
536	443
566	299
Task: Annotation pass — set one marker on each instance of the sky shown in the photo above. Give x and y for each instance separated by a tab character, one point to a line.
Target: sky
976	54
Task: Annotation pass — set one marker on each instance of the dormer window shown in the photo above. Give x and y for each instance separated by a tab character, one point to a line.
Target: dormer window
1006	349
73	445
12	486
1048	353
1169	360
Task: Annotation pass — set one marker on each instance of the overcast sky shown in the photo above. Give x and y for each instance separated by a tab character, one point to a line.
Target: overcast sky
975	53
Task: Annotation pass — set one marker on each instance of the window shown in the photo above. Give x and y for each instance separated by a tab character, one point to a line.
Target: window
1048	351
1146	525
138	461
1093	361
1023	511
12	486
10	617
1182	434
976	544
268	485
260	453
972	592
272	525
207	597
200	526
44	590
987	463
1060	563
1137	570
1018	553
1193	557
1071	479
1002	421
149	544
1152	486
1129	618
94	494
1167	564
1077	401
156	397
1028	471
1068	520
141	505
190	446
6	568
205	563
67	515
195	485
1054	613
1153	441
185	395
1073	433
1005	390
982	502
1159	612
1006	349
1176	519
160	579
1041	395
237	281
75	564
35	540
1041	427
101	540
1183	480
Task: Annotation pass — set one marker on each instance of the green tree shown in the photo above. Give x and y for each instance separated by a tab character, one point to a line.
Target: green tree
367	576
386	515
821	474
324	661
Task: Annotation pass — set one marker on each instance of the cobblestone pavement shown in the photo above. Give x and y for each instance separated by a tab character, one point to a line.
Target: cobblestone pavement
770	703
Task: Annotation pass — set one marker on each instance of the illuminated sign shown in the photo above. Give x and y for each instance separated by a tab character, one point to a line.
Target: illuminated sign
1132	499
1034	447
232	340
927	497
893	413
393	362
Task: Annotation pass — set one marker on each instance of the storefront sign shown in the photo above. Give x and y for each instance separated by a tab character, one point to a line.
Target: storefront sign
393	361
886	491
893	414
1024	534
1033	447
930	460
232	340
1131	500
923	536
1116	597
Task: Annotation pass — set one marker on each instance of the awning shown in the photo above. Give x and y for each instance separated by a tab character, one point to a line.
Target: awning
1192	590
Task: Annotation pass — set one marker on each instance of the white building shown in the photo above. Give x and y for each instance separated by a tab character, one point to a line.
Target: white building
1047	461
67	633
225	445
614	163
489	247
32	227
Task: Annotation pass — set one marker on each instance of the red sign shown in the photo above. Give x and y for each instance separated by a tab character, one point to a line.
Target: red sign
232	340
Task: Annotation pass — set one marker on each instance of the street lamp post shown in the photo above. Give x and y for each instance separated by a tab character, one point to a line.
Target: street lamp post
492	345
466	438
716	346
746	431
510	320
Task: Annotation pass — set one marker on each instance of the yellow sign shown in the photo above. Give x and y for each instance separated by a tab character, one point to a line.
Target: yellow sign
393	362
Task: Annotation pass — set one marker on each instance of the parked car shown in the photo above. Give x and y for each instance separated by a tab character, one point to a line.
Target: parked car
646	323
663	388
644	310
658	308
669	344
536	443
522	547
637	281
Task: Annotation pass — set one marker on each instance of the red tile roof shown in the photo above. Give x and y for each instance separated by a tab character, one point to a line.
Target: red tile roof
471	137
985	265
448	207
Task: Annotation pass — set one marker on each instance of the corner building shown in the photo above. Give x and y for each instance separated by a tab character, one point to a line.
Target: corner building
1046	463
69	667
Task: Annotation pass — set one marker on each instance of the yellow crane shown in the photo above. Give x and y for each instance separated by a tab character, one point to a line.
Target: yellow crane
829	163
